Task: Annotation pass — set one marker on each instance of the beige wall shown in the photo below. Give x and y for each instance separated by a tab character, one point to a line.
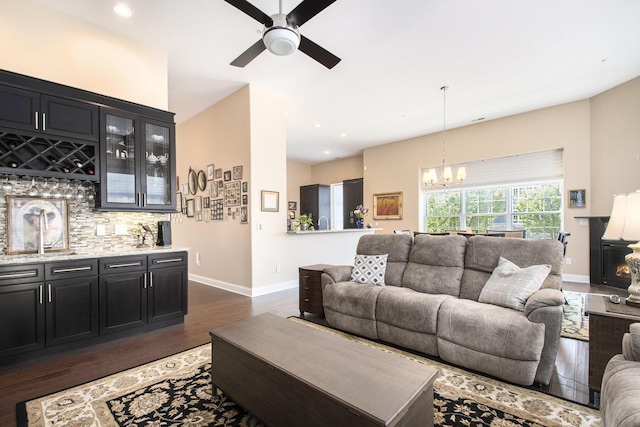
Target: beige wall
337	171
615	145
219	135
67	51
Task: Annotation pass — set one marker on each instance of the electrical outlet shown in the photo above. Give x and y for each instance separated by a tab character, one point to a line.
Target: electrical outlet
101	230
277	268
567	261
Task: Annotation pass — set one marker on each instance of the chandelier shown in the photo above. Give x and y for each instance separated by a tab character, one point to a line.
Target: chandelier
431	177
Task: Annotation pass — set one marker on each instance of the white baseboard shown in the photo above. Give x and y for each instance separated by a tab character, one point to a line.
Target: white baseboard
578	278
243	290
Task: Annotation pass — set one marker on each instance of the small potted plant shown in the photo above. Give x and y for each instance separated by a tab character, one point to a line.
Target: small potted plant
360	212
305	222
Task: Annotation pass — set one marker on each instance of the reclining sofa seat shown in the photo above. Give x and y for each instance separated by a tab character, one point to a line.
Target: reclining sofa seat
430	303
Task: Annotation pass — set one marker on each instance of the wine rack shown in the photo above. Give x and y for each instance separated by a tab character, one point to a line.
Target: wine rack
48	157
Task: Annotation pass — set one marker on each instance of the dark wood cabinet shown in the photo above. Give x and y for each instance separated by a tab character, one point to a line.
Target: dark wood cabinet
310	289
352	190
316	200
22	109
71	301
22	308
137	163
63	304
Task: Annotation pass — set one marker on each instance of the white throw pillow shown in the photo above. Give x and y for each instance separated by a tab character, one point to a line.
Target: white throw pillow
369	269
510	286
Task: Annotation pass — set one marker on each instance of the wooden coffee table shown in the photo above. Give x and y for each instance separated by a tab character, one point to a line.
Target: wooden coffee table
287	373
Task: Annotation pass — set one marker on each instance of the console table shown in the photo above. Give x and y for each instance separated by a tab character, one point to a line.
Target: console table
606	330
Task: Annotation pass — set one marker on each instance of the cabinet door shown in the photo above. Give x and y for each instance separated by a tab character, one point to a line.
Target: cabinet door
167	294
72	309
18	108
66	117
22	318
351	197
158	166
119	160
123	301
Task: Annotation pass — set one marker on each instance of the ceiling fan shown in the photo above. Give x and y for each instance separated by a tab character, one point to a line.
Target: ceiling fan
281	35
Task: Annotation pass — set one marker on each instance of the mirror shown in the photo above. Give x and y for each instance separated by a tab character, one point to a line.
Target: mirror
192	182
202	180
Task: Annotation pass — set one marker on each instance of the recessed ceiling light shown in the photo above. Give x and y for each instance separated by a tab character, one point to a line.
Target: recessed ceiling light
318	125
327	152
343	135
123	10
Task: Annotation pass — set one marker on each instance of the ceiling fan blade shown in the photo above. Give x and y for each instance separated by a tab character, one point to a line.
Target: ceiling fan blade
307	10
250	54
252	11
318	53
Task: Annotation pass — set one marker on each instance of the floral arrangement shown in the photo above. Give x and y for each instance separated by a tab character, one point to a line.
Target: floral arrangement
360	211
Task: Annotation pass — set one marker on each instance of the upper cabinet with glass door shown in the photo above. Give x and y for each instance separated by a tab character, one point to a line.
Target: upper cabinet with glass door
137	164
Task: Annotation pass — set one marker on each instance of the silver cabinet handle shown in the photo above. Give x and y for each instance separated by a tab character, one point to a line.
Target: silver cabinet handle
151	279
145	281
41	287
131	264
18	275
144	199
138	199
49	292
44	121
36	114
163	261
69	270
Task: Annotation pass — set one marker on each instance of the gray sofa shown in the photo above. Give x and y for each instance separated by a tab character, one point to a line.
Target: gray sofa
621	384
430	302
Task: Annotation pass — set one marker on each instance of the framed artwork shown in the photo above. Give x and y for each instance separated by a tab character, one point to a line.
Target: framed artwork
232	193
244	215
198	204
270	201
237	172
210	172
205	202
227	175
245	187
577	198
199	216
190	209
185	189
23	219
205	215
213	190
202	180
293	205
177	183
218	173
387	205
292	214
193	182
245	199
220	184
179	202
217	210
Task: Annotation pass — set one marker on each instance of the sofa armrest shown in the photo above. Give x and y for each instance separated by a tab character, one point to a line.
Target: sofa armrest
631	343
336	273
543	298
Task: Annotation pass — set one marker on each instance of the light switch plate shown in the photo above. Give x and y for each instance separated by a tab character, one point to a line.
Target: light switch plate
101	230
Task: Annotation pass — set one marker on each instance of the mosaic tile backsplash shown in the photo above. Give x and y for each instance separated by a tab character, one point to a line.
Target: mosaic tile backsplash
83	222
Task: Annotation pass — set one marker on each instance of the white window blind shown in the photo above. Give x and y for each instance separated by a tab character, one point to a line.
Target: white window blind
541	166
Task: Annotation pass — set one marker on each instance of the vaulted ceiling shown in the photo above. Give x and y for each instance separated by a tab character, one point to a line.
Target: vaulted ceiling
498	58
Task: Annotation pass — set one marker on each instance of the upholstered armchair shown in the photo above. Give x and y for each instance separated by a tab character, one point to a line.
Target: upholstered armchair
621	384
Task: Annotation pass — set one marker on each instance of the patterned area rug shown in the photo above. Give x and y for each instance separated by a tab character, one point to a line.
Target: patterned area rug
574	323
176	391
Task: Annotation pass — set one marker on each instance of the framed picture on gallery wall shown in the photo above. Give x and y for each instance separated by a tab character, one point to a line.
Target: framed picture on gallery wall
210	172
227	175
577	198
218	173
387	205
270	201
237	173
190	208
293	206
198	205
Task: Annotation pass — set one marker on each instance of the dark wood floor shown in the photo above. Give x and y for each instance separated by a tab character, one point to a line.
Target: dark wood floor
209	308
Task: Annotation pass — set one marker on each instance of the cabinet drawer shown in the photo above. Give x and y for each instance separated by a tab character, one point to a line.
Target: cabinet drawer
126	264
21	273
67	269
167	260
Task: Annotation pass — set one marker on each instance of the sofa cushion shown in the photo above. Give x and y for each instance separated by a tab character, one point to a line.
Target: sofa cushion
397	246
489	338
483	254
510	286
409	318
352	307
369	269
619	394
436	264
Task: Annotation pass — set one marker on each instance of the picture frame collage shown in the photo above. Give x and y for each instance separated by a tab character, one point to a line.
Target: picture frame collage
219	195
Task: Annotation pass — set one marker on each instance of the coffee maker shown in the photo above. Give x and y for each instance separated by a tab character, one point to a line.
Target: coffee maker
164	233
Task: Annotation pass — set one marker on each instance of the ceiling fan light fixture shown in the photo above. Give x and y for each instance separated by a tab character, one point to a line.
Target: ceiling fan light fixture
282	38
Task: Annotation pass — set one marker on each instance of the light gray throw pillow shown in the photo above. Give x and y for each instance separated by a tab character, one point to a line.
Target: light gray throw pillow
510	286
369	269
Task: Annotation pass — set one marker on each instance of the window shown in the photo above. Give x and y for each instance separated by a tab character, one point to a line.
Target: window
516	193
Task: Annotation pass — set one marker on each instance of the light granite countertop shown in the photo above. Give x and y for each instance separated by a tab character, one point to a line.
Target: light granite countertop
71	255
